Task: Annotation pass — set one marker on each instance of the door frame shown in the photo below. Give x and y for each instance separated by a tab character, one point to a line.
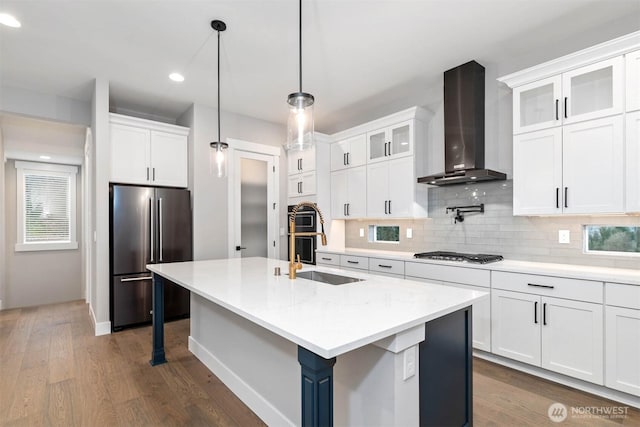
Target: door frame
248	149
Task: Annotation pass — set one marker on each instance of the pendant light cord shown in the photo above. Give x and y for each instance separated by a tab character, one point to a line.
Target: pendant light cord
300	41
219	140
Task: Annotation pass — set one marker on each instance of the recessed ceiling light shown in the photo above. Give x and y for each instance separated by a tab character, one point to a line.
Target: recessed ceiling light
45	157
9	20
176	77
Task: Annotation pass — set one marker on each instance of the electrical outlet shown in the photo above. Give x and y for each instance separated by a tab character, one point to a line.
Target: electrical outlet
362	232
563	236
409	363
409	233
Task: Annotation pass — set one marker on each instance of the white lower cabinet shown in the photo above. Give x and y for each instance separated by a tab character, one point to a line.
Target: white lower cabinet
561	335
622	332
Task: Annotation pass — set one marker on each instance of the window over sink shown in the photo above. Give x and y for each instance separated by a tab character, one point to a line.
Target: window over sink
612	240
384	233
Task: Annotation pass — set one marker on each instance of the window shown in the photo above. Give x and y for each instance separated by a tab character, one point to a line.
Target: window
46	201
612	240
384	233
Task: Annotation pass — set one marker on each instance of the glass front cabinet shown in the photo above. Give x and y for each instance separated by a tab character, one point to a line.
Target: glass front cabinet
585	93
390	142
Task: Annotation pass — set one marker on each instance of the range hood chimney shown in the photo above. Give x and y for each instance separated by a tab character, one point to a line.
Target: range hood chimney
463	128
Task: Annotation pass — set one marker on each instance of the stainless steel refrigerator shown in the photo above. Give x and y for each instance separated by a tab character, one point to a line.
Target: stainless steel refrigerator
148	225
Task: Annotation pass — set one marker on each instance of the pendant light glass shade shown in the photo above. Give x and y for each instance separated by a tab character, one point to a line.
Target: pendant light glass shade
219	158
218	161
300	121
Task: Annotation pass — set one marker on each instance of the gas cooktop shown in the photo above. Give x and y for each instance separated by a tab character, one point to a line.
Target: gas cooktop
457	256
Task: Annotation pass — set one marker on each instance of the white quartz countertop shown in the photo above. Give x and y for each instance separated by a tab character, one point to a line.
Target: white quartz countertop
328	320
586	272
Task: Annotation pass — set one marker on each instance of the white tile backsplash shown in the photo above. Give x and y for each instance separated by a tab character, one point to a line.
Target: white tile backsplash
494	231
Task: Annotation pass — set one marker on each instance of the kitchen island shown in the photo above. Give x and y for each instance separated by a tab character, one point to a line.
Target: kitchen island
302	352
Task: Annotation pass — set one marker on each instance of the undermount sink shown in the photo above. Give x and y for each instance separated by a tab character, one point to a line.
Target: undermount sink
331	279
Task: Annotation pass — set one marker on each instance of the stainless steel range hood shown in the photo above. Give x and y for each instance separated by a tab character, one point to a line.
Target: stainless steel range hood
463	128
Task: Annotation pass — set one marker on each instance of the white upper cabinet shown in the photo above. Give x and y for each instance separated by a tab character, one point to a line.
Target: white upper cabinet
537	172
390	142
569	132
593	91
168	159
349	153
301	161
593	166
148	153
632	87
537	105
388	195
348	200
130	154
585	93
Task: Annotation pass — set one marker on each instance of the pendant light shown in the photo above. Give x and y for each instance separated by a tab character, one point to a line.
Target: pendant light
300	122
218	148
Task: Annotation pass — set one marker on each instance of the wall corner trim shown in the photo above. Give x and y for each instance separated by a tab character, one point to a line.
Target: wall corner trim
100	328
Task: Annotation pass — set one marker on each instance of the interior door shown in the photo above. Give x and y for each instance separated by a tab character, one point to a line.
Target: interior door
254	205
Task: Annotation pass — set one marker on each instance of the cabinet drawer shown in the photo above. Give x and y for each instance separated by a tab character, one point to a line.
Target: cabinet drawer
328	259
390	266
352	261
620	295
559	287
467	276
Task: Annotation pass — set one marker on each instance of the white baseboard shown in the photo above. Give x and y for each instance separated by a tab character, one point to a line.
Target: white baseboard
598	390
100	328
250	397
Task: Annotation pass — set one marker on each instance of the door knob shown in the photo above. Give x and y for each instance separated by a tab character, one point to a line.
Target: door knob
240	247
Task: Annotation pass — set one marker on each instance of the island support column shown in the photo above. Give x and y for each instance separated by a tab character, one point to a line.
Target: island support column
157	352
317	388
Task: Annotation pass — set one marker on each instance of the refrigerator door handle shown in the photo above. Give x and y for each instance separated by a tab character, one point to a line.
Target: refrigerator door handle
160	228
135	279
151	230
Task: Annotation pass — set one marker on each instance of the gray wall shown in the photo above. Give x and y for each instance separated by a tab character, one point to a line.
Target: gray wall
40	277
496	231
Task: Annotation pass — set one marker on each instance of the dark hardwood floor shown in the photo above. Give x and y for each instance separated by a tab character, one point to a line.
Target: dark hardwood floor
53	371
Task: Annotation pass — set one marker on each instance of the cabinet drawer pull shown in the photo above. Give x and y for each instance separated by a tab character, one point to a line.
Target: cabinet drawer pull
540	286
153	170
344	159
544	314
147	173
386	210
557	197
535	312
566	201
385	266
348	159
557	116
326	259
389	207
353	262
565	108
135	279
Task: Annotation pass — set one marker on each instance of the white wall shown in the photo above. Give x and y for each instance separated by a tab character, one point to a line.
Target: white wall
209	194
99	301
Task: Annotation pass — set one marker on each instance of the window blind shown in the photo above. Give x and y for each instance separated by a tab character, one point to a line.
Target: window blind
47	208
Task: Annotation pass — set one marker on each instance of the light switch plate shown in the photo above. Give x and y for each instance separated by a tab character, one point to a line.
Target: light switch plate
362	232
563	236
409	233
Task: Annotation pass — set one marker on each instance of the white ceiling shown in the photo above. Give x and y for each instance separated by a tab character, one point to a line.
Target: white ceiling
358	55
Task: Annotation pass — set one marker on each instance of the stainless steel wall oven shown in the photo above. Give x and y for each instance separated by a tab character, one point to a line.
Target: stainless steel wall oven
305	245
